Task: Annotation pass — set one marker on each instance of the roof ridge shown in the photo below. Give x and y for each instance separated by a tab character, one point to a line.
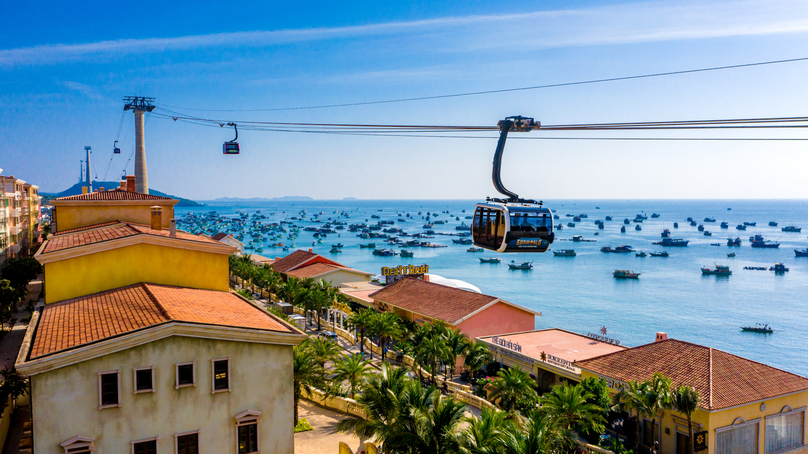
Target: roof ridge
156	300
416	280
710	377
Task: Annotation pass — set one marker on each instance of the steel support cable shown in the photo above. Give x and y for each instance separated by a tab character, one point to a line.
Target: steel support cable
507	90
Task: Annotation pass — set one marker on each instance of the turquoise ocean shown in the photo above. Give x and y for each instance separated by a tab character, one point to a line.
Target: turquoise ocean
581	295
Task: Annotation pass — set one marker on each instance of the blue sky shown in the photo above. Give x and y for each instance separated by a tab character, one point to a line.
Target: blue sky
64	68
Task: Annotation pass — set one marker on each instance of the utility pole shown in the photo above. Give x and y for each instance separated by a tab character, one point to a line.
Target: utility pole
89	173
140	105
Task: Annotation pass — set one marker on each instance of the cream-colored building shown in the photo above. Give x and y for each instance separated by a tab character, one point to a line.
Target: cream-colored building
153	368
301	265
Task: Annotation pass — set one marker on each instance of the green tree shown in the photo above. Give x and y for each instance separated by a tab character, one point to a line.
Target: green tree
323	349
570	408
380	398
659	398
9	298
537	434
632	398
308	374
14	385
686	400
477	356
352	369
431	429
386	326
484	434
361	321
457	344
511	385
430	351
318	302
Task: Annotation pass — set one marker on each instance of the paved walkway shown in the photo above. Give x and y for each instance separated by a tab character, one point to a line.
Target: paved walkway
323	439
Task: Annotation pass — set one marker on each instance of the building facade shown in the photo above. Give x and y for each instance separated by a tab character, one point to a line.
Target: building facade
20	218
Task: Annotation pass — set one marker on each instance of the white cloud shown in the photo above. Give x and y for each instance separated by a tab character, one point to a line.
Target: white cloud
615	24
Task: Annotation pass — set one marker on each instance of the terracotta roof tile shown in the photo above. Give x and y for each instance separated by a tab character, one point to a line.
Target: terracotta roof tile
292	260
722	379
92	318
86	227
317	269
433	300
111	231
114	194
219	236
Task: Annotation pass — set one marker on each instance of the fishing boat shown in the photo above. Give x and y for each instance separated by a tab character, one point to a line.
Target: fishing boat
675	225
520	266
608	218
490	260
759	242
463	226
666	233
740	227
801	253
335	249
772	224
406	253
778	268
368	246
701	228
338	245
708	233
709	219
719	270
576	219
625	274
693	223
626	221
734	243
660	254
384	252
758	328
750	224
725	225
462	241
618	250
623	229
731	255
672	242
792	228
570	224
654	215
564	253
637	227
474	249
641	254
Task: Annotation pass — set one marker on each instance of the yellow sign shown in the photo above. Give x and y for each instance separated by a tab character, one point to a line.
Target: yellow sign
403	270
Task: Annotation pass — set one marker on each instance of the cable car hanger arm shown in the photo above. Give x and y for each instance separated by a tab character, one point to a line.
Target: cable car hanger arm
518	124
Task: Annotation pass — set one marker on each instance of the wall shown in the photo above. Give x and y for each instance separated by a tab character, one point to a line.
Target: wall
340	277
72	216
65	401
132	264
500	318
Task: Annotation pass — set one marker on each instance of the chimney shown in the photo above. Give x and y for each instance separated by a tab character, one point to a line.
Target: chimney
84	189
130	183
157	218
311	251
661	337
101	189
122	186
173	229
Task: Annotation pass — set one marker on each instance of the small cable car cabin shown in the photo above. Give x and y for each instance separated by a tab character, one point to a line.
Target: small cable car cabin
512	227
231	146
115	149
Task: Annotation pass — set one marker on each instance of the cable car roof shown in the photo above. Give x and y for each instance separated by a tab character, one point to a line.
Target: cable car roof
520	207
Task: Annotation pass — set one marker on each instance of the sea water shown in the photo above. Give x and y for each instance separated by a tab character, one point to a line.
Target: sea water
581	295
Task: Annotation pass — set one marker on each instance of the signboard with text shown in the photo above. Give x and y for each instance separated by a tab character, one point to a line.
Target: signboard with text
395	274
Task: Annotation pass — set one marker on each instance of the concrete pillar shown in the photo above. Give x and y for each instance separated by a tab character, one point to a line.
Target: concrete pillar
141	177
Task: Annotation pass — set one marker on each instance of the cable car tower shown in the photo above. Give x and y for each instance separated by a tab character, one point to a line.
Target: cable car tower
140	105
512	224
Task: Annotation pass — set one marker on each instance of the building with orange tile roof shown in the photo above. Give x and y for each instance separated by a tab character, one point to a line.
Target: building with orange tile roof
227	238
306	264
114	254
150	362
122	204
473	314
548	354
744	406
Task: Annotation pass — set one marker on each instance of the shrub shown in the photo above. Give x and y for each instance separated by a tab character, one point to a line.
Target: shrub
303	426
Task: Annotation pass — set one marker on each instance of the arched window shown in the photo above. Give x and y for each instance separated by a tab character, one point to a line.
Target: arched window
785	430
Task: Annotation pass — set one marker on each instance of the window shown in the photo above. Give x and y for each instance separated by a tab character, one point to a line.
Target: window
785	430
739	438
221	374
148	446
144	380
109	387
186	375
78	445
187	443
247	432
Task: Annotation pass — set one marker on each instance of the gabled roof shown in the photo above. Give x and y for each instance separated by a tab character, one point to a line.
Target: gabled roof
319	269
300	258
219	236
449	304
104	233
88	319
115	194
722	379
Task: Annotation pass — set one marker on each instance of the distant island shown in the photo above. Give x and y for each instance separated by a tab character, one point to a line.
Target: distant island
349	198
287	198
76	190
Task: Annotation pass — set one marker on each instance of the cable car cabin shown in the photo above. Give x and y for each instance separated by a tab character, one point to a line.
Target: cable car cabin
115	149
231	148
514	227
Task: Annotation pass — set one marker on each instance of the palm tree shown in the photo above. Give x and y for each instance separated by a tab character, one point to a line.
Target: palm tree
430	351
485	434
457	345
308	373
352	369
379	396
633	398
290	289
567	406
323	349
537	434
659	398
433	429
361	320
386	326
319	301
511	385
477	356
686	400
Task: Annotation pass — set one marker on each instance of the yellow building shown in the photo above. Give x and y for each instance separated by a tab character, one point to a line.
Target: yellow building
115	254
81	210
159	369
745	408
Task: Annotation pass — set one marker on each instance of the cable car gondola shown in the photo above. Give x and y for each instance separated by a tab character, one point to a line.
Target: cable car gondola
115	148
231	146
512	224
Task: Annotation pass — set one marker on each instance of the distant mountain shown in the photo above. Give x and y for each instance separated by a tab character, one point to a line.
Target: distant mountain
76	189
349	198
287	198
